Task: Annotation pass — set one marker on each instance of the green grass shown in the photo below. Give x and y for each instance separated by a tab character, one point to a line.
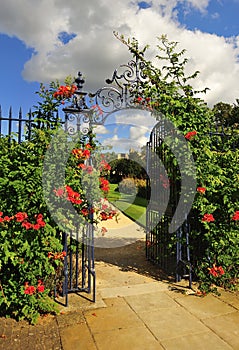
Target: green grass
133	207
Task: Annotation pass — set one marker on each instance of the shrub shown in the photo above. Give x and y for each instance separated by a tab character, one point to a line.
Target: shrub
36	209
128	186
141	188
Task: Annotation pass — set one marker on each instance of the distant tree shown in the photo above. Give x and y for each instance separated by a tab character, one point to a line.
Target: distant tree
122	168
226	113
235	113
109	156
222	112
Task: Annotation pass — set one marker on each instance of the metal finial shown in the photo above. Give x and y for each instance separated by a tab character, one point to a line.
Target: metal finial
79	81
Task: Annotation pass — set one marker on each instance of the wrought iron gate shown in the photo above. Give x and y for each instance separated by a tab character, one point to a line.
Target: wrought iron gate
169	251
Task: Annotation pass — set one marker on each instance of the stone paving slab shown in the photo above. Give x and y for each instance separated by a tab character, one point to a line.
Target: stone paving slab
172	322
137	289
77	337
162	319
127	338
227	327
199	341
206	307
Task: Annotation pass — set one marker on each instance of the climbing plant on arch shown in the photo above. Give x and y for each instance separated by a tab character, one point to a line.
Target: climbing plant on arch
214	232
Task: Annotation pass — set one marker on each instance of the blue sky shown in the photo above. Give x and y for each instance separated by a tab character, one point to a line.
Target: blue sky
221	18
42	41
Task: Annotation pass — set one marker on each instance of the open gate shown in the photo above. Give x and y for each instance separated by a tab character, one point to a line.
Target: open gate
86	111
170	251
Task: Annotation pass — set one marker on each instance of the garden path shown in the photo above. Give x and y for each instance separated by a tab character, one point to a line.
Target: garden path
137	307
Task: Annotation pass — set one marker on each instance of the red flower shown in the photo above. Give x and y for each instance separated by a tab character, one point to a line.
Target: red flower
104	165
5	218
190	135
208	218
60	192
103	215
165	181
40	288
20	217
40	222
65	91
104	184
86	153
82	166
56	256
236	215
36	226
98	109
201	189
216	271
80	153
87	168
73	197
29	290
27	225
84	211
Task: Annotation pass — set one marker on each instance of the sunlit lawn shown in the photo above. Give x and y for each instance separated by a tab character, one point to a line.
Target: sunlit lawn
132	206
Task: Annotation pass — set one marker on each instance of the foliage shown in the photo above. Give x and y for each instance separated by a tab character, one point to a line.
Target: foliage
24	249
141	188
227	114
128	186
45	182
168	90
126	168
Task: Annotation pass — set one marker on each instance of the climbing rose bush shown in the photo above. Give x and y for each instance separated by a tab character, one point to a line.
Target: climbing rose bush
31	248
214	229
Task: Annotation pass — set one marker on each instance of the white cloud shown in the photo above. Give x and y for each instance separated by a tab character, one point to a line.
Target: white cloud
96	52
101	130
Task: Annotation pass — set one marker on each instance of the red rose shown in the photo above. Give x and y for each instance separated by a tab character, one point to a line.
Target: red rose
40	288
190	135
30	290
27	225
20	217
208	218
236	215
201	189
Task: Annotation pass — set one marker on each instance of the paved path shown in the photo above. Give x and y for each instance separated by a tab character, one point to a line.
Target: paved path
136	310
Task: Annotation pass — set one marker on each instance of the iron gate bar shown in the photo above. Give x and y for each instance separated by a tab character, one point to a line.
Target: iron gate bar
172	259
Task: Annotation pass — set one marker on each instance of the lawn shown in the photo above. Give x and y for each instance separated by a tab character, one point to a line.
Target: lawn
132	206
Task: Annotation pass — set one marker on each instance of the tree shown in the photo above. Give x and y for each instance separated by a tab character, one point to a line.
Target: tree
122	168
222	112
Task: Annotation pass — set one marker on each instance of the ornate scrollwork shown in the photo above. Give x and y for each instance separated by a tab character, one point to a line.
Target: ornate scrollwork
133	73
124	83
77	122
